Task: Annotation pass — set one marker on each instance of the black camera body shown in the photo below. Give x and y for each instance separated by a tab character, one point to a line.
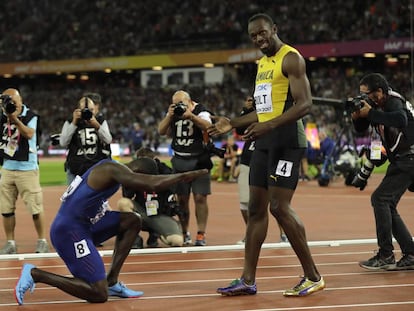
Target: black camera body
8	104
179	109
212	149
355	104
86	114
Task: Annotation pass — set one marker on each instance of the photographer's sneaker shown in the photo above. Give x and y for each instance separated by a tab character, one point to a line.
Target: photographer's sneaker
237	288
187	239
305	287
42	246
8	248
378	262
120	290
405	263
200	239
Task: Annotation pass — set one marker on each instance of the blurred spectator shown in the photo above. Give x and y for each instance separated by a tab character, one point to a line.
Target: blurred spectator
136	137
315	156
229	162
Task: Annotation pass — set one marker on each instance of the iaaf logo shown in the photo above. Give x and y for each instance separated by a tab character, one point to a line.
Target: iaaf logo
392	45
398	45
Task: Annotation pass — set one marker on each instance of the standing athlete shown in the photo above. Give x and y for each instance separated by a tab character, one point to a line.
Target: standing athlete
282	96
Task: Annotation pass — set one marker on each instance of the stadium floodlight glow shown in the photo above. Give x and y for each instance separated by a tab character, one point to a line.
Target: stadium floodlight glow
157	68
369	55
392	60
108	70
70	77
7	75
404	56
84	77
208	65
312	58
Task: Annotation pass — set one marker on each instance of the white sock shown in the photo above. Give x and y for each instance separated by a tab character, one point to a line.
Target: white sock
12	242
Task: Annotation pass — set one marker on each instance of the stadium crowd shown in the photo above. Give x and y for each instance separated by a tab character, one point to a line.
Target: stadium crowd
84	29
103	28
125	101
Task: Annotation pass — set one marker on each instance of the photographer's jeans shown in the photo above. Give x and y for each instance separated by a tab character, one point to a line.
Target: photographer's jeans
384	200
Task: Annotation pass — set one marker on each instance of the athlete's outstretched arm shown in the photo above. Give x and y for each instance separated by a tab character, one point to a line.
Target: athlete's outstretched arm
110	173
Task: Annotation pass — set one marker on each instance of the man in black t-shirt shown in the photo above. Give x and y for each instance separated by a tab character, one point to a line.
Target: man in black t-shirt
186	122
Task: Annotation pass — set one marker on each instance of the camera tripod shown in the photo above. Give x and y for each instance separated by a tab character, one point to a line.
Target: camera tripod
333	165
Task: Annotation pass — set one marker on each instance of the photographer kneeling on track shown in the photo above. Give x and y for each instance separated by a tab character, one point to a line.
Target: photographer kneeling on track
392	119
157	209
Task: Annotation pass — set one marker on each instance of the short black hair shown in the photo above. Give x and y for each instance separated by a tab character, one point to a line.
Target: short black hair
375	81
95	97
263	16
144	165
145	152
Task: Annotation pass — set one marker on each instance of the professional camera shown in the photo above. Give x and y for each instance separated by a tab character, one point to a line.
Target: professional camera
54	139
355	104
86	114
361	178
212	149
8	104
173	207
179	109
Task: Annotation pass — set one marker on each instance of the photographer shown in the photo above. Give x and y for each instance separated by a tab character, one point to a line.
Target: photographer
391	117
20	168
186	122
229	160
157	209
87	137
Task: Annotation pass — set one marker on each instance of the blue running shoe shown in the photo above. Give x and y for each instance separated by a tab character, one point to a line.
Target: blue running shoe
238	287
120	290
24	283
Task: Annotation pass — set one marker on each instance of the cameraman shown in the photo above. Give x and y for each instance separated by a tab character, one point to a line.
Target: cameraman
185	122
87	137
20	171
155	208
391	116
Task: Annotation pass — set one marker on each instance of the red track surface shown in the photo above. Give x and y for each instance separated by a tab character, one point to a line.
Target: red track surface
187	280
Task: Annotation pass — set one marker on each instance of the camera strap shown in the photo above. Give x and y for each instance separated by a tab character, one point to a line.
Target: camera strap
206	138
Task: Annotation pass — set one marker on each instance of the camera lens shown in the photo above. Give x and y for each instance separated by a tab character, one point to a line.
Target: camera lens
86	114
179	109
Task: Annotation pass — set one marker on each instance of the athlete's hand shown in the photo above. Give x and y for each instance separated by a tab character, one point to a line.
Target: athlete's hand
222	125
189	176
256	130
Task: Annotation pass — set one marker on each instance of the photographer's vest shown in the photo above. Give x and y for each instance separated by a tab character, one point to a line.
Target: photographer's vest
187	138
273	97
85	148
10	132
